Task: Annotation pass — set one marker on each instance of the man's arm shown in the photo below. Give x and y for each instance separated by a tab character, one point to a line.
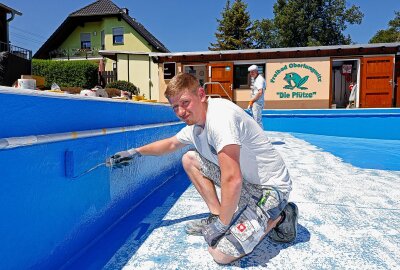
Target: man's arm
231	181
123	158
256	97
161	147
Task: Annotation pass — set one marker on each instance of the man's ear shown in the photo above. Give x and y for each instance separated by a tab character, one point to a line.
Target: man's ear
202	94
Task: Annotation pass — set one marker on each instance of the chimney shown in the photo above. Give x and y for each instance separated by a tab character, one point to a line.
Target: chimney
125	10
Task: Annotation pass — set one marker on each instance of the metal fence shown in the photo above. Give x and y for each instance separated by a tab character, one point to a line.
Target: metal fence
15	50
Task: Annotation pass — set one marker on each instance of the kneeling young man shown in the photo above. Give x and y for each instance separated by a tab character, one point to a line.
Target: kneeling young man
233	152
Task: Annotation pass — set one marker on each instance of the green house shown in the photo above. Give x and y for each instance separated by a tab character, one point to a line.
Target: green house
102	31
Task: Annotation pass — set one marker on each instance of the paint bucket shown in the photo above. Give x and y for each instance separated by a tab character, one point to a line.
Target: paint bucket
27	84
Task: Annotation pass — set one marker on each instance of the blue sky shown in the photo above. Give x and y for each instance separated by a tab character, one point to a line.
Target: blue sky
182	25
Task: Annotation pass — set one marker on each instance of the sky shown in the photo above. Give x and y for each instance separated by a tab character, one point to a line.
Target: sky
181	25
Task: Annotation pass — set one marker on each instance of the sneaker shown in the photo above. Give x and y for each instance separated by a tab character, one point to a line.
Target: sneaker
195	227
286	230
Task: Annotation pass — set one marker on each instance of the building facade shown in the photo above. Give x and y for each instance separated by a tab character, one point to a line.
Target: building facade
102	31
14	61
307	77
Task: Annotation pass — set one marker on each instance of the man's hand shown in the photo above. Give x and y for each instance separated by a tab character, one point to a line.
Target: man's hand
214	231
121	159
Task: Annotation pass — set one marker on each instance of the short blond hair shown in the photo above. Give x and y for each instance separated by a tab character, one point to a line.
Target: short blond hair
180	83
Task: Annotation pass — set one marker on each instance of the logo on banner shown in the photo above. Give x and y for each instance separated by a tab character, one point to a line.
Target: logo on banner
294	80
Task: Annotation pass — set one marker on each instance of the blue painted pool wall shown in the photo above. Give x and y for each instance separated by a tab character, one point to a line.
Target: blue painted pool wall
361	123
48	218
23	115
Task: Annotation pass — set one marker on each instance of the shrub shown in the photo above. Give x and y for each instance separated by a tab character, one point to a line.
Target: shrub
82	73
125	86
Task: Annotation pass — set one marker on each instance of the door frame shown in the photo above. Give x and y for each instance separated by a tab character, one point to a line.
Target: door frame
337	59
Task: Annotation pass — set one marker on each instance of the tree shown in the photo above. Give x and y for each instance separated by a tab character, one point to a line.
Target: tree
264	34
234	30
301	23
392	34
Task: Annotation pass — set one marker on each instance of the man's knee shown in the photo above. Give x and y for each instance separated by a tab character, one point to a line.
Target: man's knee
189	160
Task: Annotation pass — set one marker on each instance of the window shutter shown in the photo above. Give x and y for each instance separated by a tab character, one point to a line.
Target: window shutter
119	31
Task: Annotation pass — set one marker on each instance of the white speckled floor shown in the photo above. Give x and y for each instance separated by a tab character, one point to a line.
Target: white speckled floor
349	219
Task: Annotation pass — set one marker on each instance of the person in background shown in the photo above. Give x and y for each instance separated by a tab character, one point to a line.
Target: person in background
230	151
352	96
258	85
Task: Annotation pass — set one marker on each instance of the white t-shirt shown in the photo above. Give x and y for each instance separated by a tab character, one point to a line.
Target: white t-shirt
257	84
226	124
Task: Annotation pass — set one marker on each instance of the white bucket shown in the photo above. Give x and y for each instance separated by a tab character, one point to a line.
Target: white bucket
27	84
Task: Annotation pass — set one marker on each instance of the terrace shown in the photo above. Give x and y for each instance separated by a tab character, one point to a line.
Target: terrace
15	50
75	53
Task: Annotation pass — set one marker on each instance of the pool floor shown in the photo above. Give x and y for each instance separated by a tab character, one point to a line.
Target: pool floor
361	152
349	218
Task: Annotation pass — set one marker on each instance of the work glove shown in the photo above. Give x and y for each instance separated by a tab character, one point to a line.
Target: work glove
121	159
213	232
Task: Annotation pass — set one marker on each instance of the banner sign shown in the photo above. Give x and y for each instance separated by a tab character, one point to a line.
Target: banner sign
298	80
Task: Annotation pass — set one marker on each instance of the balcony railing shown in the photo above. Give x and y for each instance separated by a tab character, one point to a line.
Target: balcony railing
75	53
18	51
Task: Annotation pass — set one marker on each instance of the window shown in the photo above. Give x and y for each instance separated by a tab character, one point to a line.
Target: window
241	77
85	41
169	70
199	71
118	35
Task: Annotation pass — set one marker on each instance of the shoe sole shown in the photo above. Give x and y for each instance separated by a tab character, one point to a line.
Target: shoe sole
296	211
296	216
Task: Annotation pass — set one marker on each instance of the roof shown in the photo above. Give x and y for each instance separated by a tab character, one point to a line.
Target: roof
276	53
146	34
9	10
100	7
373	45
95	11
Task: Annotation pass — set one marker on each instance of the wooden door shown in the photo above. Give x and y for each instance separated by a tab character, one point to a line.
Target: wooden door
377	82
222	73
